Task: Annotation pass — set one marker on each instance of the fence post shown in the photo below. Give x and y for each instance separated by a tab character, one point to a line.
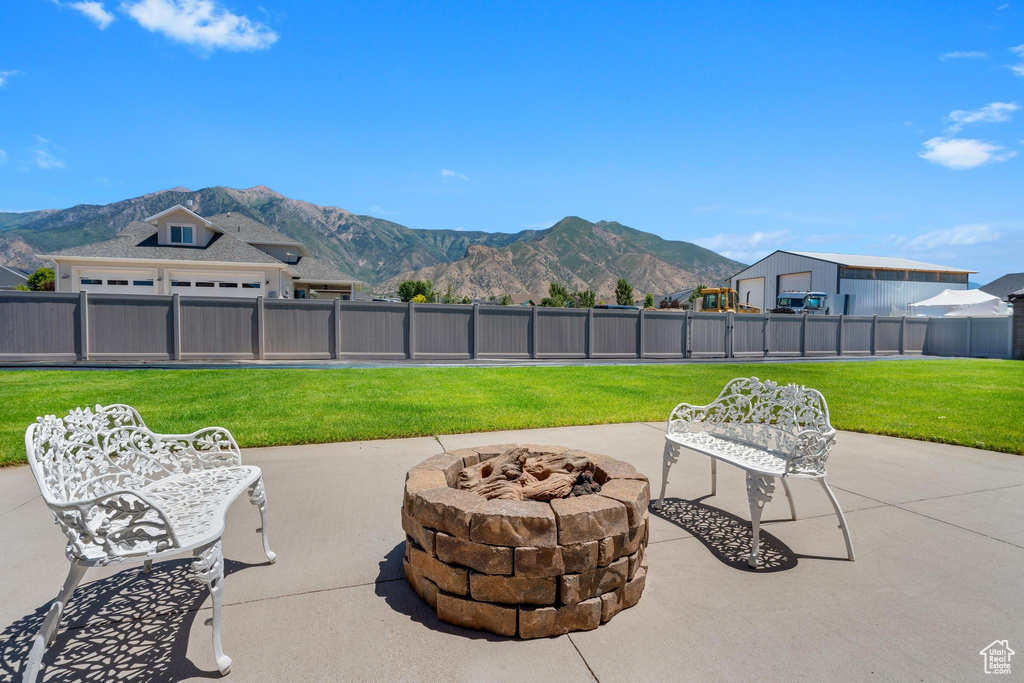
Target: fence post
261	329
903	334
475	347
803	335
412	331
687	345
337	328
83	325
730	343
176	325
970	333
590	332
640	335
533	332
839	335
874	335
764	334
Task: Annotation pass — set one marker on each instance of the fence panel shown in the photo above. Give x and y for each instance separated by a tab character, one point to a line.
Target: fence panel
785	334
664	334
947	337
707	335
298	329
218	328
616	333
914	334
857	335
822	335
38	326
561	333
887	335
374	329
443	331
990	337
748	335
126	326
505	331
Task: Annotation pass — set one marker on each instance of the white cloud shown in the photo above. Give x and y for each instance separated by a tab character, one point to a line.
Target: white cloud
970	54
4	76
748	248
202	23
965	235
43	157
3	157
445	173
960	153
997	112
1019	51
95	12
1003	6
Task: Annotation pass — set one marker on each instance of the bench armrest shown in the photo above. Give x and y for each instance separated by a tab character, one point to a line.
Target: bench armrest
113	525
683	416
214	446
810	451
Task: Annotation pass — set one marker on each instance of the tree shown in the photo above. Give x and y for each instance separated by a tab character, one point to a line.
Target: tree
586	298
697	293
41	280
450	297
505	300
410	289
623	293
649	300
558	296
419	299
466	300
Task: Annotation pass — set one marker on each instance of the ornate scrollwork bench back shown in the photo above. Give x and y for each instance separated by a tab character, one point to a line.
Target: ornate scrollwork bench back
121	493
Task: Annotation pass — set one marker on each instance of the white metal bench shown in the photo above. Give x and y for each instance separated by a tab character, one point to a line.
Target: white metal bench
766	429
122	494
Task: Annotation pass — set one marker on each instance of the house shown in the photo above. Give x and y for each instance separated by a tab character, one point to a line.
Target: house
1017	299
1006	285
855	284
11	277
178	251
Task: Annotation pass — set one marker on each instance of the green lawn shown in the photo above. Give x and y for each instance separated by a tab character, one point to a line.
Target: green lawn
968	402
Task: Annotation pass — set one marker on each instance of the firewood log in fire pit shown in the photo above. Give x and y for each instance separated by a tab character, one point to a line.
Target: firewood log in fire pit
524	475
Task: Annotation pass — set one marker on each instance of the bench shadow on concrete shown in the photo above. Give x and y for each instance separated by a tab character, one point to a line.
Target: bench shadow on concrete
130	626
728	536
399	596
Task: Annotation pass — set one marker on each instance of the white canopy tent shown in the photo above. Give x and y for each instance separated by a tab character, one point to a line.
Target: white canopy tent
959	303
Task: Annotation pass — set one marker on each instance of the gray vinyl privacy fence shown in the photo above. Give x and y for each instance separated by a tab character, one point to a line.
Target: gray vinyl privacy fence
64	327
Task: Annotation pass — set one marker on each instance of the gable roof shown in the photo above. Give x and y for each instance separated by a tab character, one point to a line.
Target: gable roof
312	270
1004	286
11	276
885	262
178	207
248	230
139	241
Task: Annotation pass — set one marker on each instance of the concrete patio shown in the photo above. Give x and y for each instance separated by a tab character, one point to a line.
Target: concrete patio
938	530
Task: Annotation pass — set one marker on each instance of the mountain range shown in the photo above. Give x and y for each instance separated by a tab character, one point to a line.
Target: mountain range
574	251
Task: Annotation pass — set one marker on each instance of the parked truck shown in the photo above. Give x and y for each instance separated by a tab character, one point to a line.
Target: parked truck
723	300
801	302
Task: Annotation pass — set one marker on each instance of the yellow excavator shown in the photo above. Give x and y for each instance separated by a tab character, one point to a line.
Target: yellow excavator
723	300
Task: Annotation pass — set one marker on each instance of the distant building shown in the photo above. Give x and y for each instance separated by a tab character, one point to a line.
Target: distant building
1017	299
855	285
180	252
1005	286
11	277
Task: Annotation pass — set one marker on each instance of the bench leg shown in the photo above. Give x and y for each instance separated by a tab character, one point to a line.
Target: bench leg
841	516
48	631
714	476
789	495
258	497
208	566
759	492
670	458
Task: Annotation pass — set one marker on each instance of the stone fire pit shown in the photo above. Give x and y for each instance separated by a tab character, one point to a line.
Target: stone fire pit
486	553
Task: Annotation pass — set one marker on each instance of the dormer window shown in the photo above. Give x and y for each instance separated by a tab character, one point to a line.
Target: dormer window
181	234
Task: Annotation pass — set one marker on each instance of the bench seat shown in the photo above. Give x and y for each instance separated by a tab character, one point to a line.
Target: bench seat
751	458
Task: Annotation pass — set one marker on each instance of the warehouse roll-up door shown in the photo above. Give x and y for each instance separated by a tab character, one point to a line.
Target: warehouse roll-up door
795	282
751	291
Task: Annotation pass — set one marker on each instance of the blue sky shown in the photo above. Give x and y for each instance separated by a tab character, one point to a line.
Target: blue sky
854	127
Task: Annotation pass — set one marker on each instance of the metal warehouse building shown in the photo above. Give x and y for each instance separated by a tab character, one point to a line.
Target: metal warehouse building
856	285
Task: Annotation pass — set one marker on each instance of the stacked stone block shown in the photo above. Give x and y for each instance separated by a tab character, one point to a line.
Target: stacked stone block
526	568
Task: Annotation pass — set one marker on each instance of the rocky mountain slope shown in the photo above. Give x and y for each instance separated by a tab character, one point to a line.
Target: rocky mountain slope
382	253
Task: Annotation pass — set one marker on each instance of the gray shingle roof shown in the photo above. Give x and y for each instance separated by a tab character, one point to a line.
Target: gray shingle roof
246	229
139	241
311	270
1005	286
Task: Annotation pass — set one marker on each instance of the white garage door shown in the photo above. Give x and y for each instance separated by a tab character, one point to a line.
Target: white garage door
795	282
117	281
241	285
751	291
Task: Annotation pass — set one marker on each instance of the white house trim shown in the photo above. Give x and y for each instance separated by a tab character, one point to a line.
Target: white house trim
178	207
